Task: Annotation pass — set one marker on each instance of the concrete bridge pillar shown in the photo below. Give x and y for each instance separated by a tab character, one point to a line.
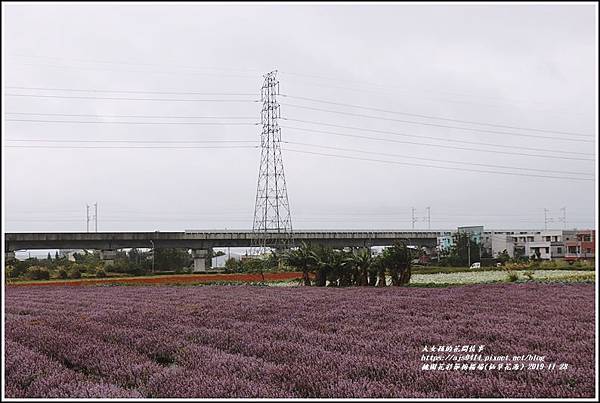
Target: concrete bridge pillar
199	256
108	256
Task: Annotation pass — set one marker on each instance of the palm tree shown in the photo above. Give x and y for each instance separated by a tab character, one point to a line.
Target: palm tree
340	273
363	260
373	269
302	259
323	261
397	259
378	271
357	265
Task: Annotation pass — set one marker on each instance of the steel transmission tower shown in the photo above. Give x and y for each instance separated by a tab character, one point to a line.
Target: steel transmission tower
94	217
272	209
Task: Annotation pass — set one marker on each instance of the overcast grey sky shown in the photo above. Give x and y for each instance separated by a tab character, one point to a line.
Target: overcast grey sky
525	66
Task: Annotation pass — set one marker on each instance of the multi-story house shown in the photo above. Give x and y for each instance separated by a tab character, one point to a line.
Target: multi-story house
541	244
547	245
583	246
511	241
444	243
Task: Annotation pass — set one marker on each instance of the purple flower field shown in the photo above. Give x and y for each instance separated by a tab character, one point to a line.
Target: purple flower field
245	341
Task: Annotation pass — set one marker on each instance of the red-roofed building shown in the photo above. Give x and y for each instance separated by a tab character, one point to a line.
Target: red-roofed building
584	247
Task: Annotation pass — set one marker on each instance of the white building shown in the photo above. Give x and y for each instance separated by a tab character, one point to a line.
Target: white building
69	253
545	244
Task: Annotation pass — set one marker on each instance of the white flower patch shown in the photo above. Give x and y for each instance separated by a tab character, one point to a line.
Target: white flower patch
475	277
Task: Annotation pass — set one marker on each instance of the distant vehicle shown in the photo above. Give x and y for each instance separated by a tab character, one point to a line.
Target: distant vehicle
475	265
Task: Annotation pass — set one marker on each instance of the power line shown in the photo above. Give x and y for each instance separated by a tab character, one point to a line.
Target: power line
134	123
439	167
166	219
362	90
246	70
502	104
72	67
130	141
131	99
128	116
436	117
395	217
433	145
405	89
435	160
479	143
130	64
117	220
126	147
131	91
291	142
116	213
342	218
438	125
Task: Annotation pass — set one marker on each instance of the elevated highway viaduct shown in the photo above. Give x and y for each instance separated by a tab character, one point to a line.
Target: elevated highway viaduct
202	240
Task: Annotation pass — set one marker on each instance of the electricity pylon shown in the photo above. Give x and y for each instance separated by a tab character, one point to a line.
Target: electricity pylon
272	209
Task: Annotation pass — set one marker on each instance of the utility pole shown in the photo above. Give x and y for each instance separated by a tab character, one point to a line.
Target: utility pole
469	248
87	218
564	217
272	208
546	218
228	250
152	242
415	219
96	216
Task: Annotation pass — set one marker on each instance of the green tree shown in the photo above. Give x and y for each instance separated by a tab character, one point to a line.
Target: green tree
301	259
463	247
74	273
10	272
331	266
362	262
397	259
378	271
232	265
38	273
134	256
503	257
254	265
340	272
323	257
172	258
270	261
21	266
87	257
